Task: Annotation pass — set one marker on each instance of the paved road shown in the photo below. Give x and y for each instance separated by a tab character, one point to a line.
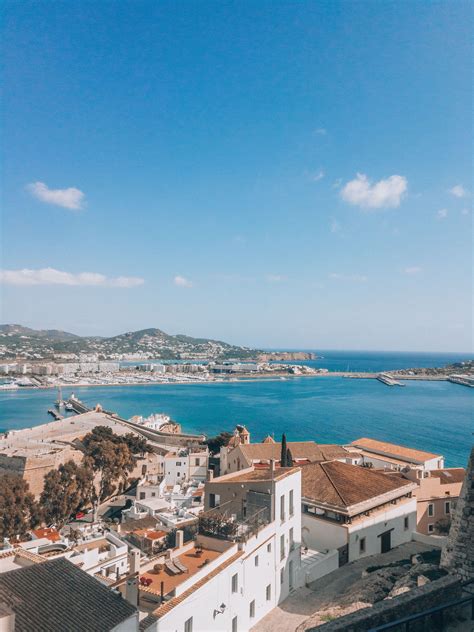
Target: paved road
324	592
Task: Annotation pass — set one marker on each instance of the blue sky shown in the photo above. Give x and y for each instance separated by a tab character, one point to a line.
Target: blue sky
269	173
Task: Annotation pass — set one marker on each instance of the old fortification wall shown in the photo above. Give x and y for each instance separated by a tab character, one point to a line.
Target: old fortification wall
443	590
458	554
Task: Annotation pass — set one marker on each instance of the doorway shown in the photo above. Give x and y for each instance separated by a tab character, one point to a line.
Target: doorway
385	541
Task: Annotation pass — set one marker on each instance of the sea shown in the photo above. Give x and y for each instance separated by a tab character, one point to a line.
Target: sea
433	416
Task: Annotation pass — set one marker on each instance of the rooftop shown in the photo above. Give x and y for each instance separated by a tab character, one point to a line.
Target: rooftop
449	475
344	485
299	450
193	559
398	451
56	596
51	534
256	474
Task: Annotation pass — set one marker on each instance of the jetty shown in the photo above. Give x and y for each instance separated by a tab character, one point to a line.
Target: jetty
388	380
54	413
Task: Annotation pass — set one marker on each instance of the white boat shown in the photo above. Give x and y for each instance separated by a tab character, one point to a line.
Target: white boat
10	386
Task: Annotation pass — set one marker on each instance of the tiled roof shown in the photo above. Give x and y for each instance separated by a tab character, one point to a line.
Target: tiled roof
344	485
449	475
391	449
150	534
51	534
299	450
57	597
256	474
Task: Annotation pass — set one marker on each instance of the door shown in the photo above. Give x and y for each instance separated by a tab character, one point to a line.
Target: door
386	541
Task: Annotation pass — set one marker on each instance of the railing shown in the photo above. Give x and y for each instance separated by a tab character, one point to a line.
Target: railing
220	523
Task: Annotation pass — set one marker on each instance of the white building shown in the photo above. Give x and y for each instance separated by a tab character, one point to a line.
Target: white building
247	573
185	464
355	510
398	458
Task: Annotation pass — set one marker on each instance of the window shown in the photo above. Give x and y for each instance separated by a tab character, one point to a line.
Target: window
188	625
212	501
292	539
430	528
268	592
235	582
234	624
406	523
362	545
282	508
178	463
292	507
153	494
252	609
142	495
447	507
197	462
282	575
256	560
269	547
282	547
430	509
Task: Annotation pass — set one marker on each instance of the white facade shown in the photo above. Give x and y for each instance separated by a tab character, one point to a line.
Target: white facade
363	534
106	556
185	465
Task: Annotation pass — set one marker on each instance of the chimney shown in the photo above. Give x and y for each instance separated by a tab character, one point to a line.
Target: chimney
210	475
179	538
272	465
131	591
134	560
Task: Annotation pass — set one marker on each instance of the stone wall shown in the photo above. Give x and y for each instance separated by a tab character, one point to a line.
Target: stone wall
430	595
458	554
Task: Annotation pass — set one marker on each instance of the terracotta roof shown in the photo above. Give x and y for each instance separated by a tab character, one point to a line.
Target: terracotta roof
391	449
299	450
49	533
56	596
344	485
150	534
257	474
169	605
449	475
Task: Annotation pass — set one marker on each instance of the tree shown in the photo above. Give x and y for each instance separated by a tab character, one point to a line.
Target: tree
66	490
19	511
442	526
216	443
289	458
283	454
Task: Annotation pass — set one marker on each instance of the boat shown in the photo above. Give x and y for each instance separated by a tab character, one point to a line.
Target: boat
9	386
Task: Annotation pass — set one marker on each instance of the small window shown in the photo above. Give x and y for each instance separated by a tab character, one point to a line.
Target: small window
142	495
282	508
430	509
292	539
153	494
362	545
212	501
235	582
188	625
269	547
430	528
282	575
234	624
292	507
447	507
268	592
178	463
252	609
282	547
256	560
406	523
197	462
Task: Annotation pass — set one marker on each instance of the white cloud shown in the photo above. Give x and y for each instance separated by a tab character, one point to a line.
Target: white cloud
335	226
321	131
458	191
51	276
382	194
316	177
70	198
412	270
275	278
181	281
442	213
357	278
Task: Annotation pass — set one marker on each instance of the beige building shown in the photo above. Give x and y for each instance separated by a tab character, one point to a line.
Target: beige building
436	498
240	453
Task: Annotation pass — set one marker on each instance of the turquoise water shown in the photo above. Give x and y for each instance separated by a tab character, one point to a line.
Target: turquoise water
434	416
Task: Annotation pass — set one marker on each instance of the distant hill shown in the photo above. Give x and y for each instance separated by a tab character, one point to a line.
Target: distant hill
17	341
